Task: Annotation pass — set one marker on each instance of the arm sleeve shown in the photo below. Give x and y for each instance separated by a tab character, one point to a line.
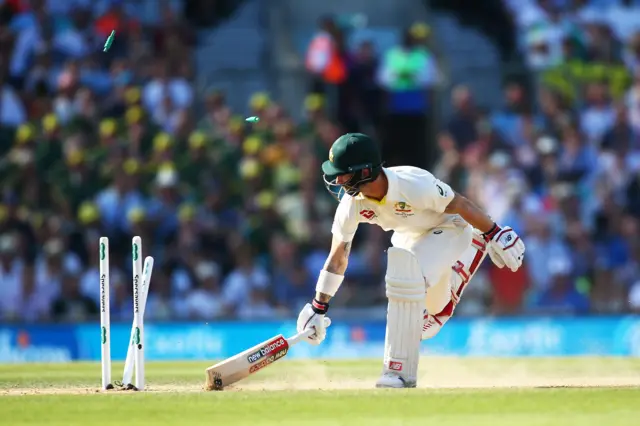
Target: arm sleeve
345	221
435	195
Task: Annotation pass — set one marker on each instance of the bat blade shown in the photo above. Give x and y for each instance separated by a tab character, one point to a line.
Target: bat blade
242	365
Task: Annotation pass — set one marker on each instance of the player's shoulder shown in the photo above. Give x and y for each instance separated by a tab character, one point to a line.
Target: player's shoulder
410	175
414	185
347	209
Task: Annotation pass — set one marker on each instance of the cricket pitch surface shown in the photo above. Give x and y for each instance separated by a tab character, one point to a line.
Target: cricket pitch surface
452	391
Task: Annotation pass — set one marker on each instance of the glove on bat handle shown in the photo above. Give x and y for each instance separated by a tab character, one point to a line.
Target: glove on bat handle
306	333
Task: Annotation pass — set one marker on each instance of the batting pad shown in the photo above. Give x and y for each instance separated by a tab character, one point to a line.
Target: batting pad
405	314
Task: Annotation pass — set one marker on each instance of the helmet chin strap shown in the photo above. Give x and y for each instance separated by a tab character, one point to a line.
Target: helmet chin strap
352	190
338	190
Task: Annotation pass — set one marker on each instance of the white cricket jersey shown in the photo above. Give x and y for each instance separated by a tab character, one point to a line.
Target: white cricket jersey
415	203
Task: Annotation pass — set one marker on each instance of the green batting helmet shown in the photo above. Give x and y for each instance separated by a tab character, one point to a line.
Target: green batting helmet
353	154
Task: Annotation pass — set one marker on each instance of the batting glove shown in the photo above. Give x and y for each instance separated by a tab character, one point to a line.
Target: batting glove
505	247
313	316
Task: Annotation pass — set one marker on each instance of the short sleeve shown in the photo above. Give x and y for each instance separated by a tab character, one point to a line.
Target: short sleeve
345	221
437	195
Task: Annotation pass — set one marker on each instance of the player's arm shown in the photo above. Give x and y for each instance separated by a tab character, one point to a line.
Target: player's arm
505	246
345	224
333	272
329	280
470	212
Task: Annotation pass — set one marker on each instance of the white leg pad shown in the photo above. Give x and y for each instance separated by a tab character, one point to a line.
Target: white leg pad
405	317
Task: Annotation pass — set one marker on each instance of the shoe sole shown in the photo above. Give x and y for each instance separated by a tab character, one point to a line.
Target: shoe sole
388	387
409	386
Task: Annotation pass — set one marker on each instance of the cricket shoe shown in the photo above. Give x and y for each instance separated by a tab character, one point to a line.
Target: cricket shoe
393	381
464	270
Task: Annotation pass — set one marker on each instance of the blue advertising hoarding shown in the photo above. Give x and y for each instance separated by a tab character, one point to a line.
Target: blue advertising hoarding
38	343
617	336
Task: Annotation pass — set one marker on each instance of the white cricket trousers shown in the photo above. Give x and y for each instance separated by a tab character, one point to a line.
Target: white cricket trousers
437	250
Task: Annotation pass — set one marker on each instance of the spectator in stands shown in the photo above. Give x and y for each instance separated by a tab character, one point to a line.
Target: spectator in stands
290	277
117	200
562	297
407	72
71	304
12	111
12	275
598	114
364	81
328	63
160	303
623	18
206	302
620	137
634	298
242	289
166	93
462	124
325	56
633	102
509	121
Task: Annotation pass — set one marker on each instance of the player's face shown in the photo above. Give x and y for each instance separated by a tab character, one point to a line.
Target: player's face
340	185
343	179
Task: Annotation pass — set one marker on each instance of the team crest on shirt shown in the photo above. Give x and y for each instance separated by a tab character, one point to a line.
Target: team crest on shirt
368	214
403	209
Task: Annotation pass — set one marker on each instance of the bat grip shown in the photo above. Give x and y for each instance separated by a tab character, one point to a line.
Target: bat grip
306	333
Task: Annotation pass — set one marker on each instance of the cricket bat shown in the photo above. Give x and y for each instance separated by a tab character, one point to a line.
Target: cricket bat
240	366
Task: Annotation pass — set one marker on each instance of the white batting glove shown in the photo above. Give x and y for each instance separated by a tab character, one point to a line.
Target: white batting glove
493	254
313	316
505	247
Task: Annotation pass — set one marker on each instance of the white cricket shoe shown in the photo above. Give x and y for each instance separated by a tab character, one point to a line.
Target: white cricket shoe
391	380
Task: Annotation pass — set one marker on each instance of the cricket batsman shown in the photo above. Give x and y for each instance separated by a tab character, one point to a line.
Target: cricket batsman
440	239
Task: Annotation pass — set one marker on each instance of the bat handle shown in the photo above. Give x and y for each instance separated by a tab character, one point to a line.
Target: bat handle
306	333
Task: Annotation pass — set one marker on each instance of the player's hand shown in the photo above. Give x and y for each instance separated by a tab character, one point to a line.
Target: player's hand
505	248
311	316
493	254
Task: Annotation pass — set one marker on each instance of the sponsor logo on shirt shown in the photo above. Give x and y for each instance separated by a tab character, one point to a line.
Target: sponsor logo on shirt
403	209
368	214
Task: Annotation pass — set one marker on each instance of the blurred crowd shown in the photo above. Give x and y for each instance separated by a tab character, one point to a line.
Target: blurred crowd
107	144
560	162
235	214
379	88
95	144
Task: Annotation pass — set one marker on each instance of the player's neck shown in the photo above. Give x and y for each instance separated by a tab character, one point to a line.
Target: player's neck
377	189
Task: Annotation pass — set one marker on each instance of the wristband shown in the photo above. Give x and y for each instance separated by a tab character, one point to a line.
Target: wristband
318	307
488	236
328	283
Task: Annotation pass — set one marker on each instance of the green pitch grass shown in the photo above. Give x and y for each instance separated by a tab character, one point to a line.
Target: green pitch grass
452	391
